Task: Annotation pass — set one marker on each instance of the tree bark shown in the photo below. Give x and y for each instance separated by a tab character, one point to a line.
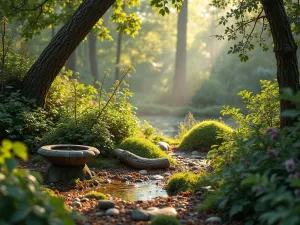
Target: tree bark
285	50
179	95
40	76
118	56
92	41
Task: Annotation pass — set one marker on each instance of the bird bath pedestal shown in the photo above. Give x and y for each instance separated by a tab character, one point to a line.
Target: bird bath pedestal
68	161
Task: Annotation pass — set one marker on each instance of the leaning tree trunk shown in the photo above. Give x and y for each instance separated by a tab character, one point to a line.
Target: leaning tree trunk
40	76
92	41
285	50
179	95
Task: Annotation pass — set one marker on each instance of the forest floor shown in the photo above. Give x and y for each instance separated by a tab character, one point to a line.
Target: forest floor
184	205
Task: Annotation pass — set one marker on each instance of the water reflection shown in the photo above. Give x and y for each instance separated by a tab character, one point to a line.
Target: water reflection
139	191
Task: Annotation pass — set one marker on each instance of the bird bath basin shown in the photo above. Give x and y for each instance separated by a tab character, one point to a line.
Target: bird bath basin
68	161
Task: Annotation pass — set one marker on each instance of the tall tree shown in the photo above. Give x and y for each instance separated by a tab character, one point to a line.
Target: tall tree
40	76
179	90
92	41
118	56
285	48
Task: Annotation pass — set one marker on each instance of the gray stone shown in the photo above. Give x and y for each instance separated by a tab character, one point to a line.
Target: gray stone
99	214
112	212
152	209
139	215
84	200
105	204
57	173
214	219
76	200
163	145
107	181
168	211
77	204
195	153
96	182
156	177
143	172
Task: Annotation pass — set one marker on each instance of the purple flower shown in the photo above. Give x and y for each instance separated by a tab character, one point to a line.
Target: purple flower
297	192
272	153
271	130
294	176
273	137
242	160
290	165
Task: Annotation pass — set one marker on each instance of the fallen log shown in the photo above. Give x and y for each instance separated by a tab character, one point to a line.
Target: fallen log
138	162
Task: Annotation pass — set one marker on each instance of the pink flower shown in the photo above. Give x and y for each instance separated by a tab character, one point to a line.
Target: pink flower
290	165
272	153
271	130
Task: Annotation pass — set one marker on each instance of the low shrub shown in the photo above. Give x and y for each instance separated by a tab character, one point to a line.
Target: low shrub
95	195
144	148
204	135
22	199
181	182
165	220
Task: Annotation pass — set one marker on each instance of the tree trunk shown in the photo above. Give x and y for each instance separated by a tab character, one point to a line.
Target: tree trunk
92	41
40	76
118	56
285	50
71	63
179	95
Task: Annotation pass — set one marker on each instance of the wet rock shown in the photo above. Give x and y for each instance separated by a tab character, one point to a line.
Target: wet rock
76	203
163	145
138	181
105	204
214	219
143	172
107	181
112	212
84	200
169	211
156	177
166	174
195	153
96	182
139	215
99	214
124	179
76	200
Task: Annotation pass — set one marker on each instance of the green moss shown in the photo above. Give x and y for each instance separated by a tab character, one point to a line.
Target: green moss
170	141
165	220
95	195
203	135
48	191
104	163
144	148
182	182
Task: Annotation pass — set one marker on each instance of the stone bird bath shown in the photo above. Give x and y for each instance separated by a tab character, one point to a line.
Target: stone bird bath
68	161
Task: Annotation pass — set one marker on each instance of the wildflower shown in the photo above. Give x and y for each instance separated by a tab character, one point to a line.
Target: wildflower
290	165
294	176
271	130
297	192
272	153
273	137
242	160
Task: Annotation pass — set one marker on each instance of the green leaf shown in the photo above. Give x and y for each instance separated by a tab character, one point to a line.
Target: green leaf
235	209
21	213
291	113
11	164
6	145
20	150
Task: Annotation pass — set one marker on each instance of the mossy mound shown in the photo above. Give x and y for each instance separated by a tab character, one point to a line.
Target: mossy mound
144	148
49	191
170	141
165	220
95	195
203	135
181	182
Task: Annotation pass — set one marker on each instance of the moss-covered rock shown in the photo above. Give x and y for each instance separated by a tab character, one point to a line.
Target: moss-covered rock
181	182
144	148
95	195
203	135
165	220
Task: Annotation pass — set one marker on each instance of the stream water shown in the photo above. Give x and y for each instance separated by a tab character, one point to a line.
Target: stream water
139	191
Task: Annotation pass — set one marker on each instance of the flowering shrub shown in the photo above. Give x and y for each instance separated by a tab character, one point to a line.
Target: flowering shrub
259	180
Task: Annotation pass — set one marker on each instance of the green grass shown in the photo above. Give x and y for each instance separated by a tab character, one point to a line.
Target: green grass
144	148
48	191
203	135
104	163
165	220
182	182
95	195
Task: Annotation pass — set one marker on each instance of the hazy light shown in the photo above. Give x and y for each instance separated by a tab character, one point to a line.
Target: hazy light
212	8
